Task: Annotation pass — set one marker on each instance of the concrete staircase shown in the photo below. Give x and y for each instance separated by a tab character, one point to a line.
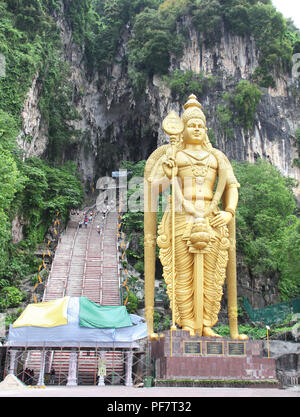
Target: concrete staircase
61	265
87	366
85	264
110	276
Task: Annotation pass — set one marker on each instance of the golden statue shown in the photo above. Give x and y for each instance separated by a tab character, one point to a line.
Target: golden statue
196	238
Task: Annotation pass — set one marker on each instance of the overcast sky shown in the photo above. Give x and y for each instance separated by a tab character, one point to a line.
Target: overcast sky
289	8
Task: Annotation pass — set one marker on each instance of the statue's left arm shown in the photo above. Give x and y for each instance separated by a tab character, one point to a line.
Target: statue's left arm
230	195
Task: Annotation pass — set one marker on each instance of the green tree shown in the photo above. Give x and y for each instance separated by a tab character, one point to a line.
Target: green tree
11	181
10	297
9	130
225	116
265	212
207	18
246	99
47	191
152	44
77	12
156	53
183	83
269	29
239	108
236	18
289	285
266	24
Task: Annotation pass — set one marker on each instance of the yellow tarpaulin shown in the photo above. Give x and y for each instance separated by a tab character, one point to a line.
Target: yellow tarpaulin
48	314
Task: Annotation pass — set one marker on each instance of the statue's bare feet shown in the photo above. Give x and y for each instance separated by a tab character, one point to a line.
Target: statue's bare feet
237	336
208	332
189	329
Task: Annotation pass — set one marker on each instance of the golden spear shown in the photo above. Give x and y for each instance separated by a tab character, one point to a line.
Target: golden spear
173	126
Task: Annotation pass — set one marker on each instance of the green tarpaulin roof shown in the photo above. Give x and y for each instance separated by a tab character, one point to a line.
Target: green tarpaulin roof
104	317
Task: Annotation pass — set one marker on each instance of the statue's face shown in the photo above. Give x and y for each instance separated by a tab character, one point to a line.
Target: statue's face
194	132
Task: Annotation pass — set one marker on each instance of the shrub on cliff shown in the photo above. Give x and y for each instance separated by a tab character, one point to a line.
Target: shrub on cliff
239	108
245	100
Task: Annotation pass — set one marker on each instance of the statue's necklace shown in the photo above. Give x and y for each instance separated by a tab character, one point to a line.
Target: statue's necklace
198	171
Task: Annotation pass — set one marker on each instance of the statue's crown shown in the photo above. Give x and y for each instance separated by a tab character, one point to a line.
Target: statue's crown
192	109
192	102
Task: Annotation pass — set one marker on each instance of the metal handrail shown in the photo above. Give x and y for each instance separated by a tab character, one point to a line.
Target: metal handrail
69	265
70	261
86	254
102	261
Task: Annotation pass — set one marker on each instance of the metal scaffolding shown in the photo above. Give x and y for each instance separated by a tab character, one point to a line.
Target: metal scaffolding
80	365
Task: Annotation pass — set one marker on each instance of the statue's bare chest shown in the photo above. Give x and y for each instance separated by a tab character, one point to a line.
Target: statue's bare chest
196	163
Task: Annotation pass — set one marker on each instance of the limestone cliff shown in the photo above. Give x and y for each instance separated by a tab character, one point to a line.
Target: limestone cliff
33	125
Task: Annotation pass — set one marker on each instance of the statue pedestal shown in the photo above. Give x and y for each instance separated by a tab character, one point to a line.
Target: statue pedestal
210	358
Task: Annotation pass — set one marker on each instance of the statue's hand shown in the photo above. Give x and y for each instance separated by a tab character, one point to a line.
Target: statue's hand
221	219
168	165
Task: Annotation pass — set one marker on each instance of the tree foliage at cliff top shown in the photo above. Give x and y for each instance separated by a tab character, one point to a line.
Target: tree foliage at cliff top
158	29
155	36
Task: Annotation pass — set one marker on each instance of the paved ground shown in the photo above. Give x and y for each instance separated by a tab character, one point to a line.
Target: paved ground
113	393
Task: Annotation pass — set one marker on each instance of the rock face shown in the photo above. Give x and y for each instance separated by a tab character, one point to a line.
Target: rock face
273	137
11	382
232	57
288	369
287	357
17	229
33	138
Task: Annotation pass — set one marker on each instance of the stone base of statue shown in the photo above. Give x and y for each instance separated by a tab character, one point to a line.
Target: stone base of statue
183	360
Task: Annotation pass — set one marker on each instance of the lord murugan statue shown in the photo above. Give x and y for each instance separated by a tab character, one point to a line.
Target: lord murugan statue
196	237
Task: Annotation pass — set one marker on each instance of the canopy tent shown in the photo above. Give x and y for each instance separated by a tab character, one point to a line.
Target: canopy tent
73	321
